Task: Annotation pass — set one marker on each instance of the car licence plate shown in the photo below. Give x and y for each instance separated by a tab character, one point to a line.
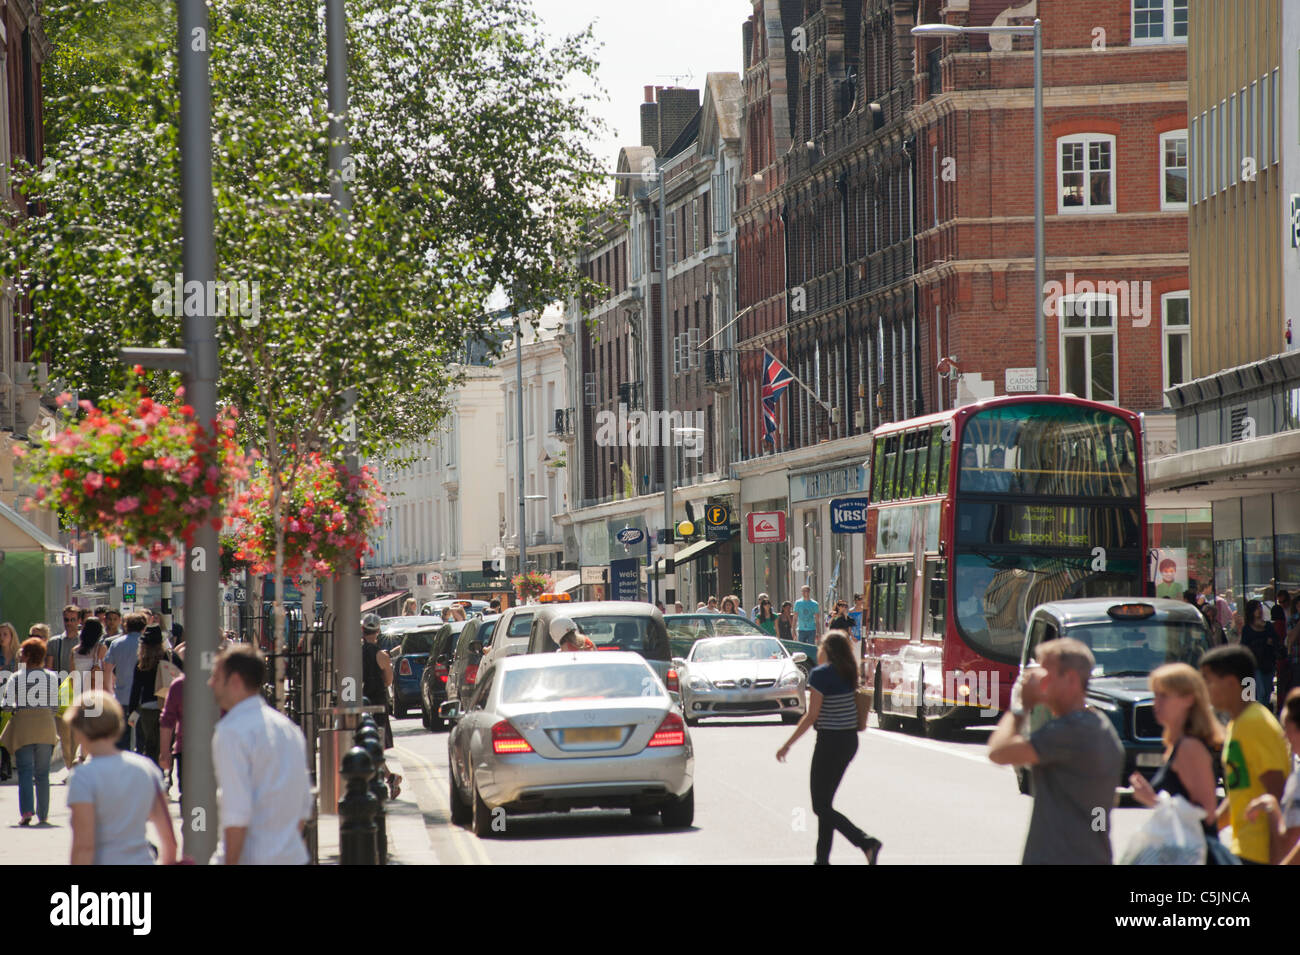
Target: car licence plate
595	734
1150	759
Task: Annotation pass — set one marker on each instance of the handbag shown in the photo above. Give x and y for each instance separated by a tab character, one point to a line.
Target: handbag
167	672
1216	853
862	696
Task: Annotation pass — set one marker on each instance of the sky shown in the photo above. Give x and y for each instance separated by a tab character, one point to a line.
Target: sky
648	44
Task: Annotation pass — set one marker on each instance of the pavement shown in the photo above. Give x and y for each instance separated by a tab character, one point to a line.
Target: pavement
51	844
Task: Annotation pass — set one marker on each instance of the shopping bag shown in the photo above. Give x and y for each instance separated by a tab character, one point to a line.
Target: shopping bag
67	692
1172	836
167	672
863	698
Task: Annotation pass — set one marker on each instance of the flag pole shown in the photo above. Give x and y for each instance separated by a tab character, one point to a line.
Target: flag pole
799	382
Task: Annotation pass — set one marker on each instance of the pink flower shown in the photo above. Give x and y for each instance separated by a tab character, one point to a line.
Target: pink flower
63	399
294	526
85	405
126	505
94	480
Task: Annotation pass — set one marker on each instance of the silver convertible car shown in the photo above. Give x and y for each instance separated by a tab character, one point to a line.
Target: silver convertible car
550	732
741	676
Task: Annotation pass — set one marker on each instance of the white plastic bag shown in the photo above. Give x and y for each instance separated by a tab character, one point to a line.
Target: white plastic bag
1172	836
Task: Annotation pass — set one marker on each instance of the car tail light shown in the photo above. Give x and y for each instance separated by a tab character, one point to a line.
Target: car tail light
471	674
440	671
671	732
506	740
404	667
671	682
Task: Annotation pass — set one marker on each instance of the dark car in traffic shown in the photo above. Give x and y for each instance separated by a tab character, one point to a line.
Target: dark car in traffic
1129	637
407	640
467	656
433	684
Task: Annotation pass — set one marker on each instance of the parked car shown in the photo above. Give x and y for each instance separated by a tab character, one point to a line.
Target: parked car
510	635
467	656
554	732
408	641
612	625
685	628
433	684
741	676
1129	637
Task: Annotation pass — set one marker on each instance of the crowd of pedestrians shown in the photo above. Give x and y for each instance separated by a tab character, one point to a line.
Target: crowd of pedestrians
113	699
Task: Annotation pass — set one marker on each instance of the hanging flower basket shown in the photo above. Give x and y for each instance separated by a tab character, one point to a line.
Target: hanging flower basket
327	517
140	474
529	585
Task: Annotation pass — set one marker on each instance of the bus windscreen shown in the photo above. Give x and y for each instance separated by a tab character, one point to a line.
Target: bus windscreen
1052	450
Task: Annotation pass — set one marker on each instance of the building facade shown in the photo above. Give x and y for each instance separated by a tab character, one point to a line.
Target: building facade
1230	493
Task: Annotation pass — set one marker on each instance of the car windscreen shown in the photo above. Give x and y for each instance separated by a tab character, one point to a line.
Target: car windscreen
588	681
616	632
1134	648
733	627
717	651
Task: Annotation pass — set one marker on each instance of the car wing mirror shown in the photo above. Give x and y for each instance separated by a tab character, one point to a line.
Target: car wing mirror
679	662
799	657
475	646
449	710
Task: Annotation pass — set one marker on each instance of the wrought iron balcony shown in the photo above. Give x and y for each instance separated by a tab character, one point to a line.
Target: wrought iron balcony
717	369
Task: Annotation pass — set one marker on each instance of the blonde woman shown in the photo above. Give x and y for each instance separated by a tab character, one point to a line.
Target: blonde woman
9	663
1192	736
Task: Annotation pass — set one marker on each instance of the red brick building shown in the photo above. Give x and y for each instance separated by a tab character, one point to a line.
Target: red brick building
1115	200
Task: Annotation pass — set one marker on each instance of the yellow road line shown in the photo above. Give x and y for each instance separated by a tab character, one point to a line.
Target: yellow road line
462	839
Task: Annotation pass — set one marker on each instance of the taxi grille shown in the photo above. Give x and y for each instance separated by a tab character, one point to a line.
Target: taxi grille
1145	725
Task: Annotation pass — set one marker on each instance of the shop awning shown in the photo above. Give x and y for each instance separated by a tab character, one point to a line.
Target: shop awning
17	533
1267	464
686	555
566	584
373	606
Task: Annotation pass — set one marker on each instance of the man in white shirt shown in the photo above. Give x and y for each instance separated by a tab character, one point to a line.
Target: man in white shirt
263	791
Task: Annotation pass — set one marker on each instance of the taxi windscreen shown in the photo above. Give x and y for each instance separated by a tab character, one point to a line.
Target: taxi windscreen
558	684
1134	648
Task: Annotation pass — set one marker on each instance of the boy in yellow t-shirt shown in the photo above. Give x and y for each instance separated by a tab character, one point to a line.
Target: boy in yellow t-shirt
1256	756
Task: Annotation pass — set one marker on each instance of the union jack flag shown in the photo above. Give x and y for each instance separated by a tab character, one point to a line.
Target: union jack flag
776	378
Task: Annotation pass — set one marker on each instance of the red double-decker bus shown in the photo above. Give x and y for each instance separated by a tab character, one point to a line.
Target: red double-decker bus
977	516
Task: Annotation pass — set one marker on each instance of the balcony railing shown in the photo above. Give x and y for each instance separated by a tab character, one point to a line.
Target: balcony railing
717	369
565	422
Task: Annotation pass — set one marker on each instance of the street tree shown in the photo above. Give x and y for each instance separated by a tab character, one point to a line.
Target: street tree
470	173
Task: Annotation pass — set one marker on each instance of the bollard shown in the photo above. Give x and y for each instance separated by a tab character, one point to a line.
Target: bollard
358	836
368	740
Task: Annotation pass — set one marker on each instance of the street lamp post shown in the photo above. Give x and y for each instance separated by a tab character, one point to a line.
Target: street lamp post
946	30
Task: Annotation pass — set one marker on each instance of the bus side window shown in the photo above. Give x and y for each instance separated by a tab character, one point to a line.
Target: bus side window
936	453
903	575
878	471
936	573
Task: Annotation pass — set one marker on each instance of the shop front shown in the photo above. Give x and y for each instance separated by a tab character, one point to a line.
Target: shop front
827	517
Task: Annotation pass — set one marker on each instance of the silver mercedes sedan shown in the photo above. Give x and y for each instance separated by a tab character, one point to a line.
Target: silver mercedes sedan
550	732
741	676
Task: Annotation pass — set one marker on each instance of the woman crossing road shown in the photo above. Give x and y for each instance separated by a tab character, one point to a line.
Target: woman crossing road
833	710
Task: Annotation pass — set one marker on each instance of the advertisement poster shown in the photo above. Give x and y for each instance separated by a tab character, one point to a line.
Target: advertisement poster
1169	571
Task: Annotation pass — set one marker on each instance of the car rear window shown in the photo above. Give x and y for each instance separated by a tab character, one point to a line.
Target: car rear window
588	681
616	632
521	624
420	641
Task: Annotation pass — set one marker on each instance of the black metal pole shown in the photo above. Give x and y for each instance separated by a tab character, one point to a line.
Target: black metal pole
357	809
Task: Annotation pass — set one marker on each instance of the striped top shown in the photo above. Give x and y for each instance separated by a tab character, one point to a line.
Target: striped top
839	705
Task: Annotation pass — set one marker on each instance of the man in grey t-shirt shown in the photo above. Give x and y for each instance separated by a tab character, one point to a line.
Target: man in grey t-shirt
1076	760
